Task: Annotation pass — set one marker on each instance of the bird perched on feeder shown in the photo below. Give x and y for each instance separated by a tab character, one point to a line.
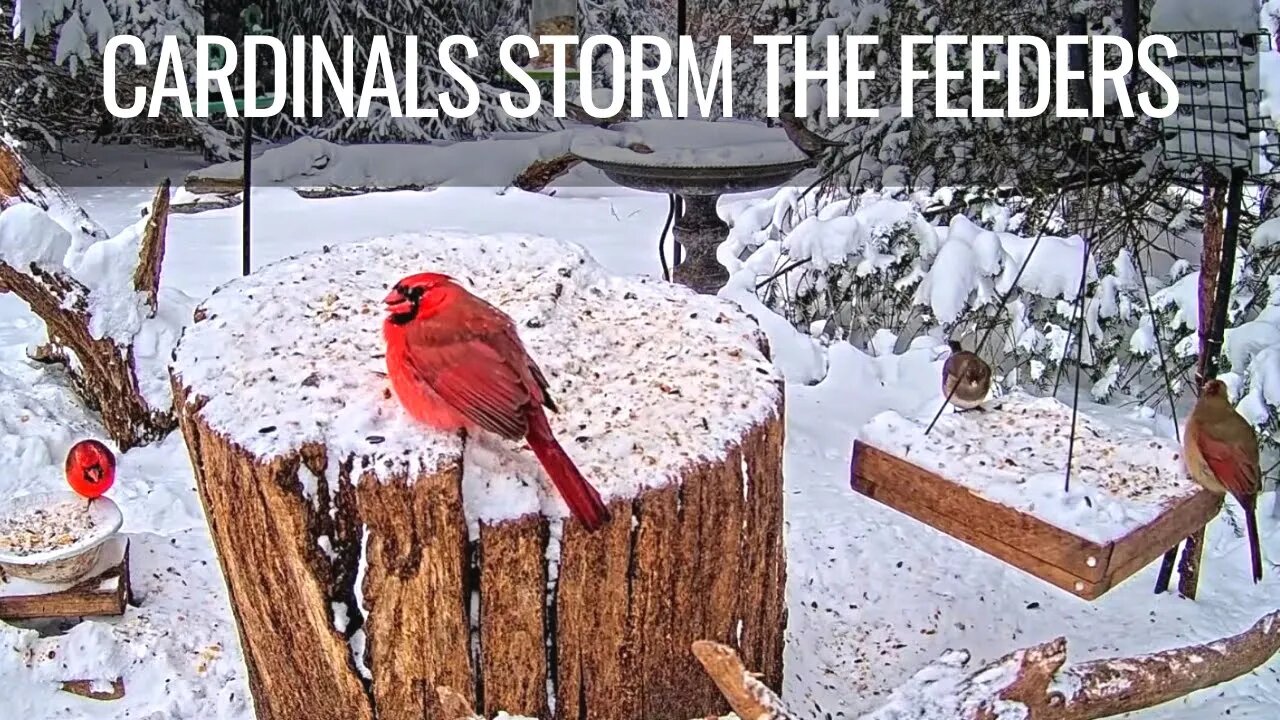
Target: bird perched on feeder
90	469
966	378
809	142
456	363
1221	451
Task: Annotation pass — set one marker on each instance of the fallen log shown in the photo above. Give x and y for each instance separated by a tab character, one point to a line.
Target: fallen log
1024	685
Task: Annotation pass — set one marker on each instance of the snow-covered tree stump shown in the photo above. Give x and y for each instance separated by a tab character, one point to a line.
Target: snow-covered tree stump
370	560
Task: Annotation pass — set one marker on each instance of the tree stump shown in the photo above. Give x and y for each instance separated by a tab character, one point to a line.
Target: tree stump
370	560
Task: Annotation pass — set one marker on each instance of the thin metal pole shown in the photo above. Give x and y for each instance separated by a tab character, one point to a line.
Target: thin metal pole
1077	59
1129	22
1075	398
248	187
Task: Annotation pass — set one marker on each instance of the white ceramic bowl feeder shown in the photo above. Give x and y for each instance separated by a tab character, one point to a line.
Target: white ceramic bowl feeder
43	540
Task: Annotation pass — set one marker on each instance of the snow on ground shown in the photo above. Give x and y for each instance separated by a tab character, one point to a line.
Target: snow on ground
872	595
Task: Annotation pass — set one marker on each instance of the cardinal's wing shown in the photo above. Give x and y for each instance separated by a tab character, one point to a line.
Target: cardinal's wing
1235	467
470	368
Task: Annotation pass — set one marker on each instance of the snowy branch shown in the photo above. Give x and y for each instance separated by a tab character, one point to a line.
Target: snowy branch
1029	684
101	308
749	698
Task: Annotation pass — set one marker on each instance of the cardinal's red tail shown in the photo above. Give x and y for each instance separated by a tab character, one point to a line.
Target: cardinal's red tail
583	500
1250	504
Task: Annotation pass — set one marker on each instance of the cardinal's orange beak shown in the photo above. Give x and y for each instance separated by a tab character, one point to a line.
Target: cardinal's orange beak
397	303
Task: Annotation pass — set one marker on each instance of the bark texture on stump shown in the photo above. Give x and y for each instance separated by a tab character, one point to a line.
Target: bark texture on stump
370	561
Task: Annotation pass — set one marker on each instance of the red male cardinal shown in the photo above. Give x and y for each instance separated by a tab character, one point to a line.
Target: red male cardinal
455	362
1221	452
90	469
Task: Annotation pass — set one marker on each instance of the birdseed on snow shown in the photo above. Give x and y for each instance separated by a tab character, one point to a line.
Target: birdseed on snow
294	354
40	529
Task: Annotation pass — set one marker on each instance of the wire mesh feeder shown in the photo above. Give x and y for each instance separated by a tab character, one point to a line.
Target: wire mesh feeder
1218	136
1219	139
1219	122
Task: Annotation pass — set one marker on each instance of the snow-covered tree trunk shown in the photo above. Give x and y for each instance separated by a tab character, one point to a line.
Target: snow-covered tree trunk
411	559
97	296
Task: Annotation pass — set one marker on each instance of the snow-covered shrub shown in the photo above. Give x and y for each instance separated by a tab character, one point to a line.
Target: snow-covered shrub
846	267
51	76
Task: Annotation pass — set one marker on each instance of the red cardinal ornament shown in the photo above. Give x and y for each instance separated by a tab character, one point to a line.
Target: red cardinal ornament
90	469
1221	451
456	363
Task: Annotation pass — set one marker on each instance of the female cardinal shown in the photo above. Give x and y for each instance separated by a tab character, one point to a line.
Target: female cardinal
455	362
1221	452
966	378
90	469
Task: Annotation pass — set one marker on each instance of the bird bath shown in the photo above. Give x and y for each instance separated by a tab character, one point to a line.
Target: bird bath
699	229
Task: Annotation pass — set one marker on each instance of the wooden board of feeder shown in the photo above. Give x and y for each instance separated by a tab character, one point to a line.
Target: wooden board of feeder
994	480
104	591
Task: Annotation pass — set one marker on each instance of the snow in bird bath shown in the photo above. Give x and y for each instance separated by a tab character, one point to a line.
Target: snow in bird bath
1015	452
692	143
294	354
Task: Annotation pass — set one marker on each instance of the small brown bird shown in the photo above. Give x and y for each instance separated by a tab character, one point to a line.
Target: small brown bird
966	378
809	142
1221	452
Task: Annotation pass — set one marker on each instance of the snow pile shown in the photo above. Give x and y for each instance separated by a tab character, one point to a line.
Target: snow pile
946	688
294	354
693	143
1015	454
30	235
311	162
875	240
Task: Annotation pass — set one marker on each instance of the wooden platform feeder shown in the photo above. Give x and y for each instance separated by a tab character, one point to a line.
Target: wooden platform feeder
994	480
104	591
370	560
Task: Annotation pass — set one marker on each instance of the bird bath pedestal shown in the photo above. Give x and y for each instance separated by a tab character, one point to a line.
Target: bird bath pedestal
699	229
